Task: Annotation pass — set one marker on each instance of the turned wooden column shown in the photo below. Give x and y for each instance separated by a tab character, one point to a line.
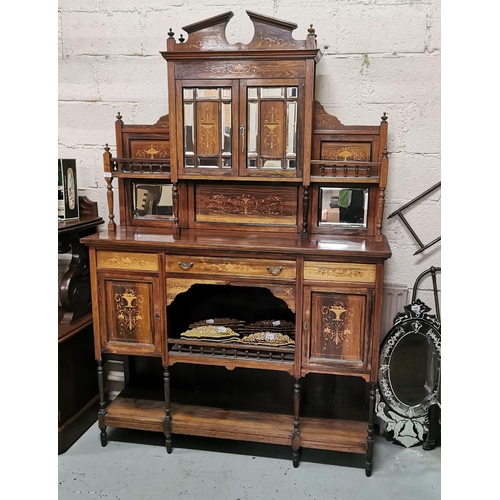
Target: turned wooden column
102	403
296	429
167	421
369	438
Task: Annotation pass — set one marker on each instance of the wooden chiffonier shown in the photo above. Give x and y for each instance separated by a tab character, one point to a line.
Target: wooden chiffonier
244	282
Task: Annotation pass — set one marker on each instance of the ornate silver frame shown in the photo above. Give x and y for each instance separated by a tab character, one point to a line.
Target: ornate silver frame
408	422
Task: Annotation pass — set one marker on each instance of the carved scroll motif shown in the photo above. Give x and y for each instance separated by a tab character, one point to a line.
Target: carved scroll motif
129	309
336	324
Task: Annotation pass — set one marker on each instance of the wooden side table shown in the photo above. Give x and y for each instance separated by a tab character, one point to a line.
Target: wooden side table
78	392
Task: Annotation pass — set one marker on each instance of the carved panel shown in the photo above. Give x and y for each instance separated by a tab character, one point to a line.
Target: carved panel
338	326
346	151
128	261
340	272
150	149
246	204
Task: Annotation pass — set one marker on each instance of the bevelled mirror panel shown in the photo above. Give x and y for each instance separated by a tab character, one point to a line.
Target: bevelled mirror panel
207	127
343	207
152	201
272	128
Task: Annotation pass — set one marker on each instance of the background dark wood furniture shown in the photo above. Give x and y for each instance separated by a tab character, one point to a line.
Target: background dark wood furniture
78	392
248	202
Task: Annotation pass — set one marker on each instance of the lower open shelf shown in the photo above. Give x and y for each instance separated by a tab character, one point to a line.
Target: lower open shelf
131	412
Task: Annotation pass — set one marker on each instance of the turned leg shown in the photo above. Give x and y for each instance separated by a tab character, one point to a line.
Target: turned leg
167	421
369	438
102	404
296	430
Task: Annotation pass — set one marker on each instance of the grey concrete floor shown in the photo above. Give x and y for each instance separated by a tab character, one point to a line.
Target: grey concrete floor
135	466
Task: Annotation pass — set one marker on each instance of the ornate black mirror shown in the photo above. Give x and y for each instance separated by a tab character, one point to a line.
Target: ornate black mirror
409	374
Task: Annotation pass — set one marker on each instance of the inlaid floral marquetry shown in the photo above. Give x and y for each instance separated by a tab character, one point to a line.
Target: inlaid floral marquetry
237	69
150	149
342	151
273	42
208	128
272	127
338	327
336	323
128	314
332	271
129	261
128	310
247	204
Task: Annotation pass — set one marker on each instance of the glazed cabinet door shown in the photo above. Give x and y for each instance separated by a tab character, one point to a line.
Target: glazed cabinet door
130	314
209	111
269	121
240	127
336	329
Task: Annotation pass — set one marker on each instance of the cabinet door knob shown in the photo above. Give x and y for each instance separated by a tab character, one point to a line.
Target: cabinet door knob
157	315
185	265
275	270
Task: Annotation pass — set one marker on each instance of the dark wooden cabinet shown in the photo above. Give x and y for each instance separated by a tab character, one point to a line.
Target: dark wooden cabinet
78	393
245	278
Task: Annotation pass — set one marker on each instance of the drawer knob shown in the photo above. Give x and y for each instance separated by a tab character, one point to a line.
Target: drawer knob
275	270
185	265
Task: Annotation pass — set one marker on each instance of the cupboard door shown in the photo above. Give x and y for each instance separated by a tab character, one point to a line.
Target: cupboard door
336	333
130	322
208	113
270	118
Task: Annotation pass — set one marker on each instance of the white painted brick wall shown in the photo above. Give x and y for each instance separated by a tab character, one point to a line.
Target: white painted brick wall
109	61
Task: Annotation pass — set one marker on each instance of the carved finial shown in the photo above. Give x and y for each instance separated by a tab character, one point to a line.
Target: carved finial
384	117
119	116
106	148
182	39
311	30
170	33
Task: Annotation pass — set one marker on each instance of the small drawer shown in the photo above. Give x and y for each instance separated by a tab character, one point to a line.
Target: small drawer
249	268
340	272
127	261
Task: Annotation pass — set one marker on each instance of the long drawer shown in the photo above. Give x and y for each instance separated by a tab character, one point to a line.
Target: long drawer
220	266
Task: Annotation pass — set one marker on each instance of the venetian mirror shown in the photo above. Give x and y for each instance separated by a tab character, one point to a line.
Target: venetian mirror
409	374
